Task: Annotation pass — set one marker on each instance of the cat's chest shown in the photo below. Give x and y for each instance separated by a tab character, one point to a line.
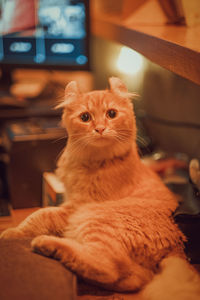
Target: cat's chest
90	184
96	184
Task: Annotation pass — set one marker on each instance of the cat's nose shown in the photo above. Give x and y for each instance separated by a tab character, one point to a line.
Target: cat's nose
100	129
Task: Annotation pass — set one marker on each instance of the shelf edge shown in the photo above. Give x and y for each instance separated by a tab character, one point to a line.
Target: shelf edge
173	57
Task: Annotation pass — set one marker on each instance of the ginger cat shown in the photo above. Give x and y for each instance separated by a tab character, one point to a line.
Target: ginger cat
116	225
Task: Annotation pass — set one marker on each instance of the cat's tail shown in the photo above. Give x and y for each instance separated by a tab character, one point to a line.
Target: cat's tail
177	280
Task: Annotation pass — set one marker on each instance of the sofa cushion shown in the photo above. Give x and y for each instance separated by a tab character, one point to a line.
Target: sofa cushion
27	275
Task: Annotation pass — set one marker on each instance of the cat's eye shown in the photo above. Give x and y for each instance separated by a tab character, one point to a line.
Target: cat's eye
85	117
111	113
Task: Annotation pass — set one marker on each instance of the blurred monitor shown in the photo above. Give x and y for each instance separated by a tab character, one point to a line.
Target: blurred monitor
44	34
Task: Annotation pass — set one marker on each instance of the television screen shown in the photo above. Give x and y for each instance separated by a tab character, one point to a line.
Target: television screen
44	33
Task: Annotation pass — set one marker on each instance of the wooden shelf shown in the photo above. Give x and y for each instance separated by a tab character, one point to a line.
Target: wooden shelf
176	48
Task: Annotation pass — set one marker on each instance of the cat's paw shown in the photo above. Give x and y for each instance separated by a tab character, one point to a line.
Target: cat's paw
11	233
44	244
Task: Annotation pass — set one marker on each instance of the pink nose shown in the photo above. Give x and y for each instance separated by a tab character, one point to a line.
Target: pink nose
100	130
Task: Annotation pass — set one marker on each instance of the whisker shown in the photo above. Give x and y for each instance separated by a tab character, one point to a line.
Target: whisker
120	139
141	140
76	134
124	130
79	145
59	154
60	138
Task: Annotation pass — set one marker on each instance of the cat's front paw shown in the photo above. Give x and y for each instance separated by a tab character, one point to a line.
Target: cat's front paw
11	233
44	244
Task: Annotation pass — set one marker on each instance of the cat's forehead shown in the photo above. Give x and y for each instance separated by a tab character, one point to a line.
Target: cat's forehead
99	99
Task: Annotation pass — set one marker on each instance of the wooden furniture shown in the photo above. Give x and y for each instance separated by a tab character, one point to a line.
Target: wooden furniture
174	47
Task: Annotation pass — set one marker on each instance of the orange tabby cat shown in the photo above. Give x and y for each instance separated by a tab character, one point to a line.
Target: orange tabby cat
115	226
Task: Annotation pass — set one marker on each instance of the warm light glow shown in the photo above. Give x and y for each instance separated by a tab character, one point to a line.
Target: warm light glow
129	61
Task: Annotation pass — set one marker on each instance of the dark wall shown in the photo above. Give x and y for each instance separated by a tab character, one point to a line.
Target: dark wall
171	102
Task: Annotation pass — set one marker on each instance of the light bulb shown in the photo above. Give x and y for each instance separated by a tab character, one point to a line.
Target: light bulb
129	61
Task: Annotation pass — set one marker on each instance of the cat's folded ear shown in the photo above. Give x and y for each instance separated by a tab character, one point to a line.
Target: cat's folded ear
71	93
119	88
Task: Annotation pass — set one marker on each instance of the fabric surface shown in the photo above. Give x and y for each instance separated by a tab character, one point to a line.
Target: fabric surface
27	275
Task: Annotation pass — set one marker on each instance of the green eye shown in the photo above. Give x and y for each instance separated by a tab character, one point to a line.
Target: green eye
111	113
85	117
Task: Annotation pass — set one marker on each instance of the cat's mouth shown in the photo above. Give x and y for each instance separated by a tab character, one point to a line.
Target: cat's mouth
102	140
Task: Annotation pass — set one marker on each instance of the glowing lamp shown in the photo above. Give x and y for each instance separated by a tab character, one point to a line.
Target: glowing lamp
129	61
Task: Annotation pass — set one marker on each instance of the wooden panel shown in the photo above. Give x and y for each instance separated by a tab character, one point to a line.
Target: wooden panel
176	48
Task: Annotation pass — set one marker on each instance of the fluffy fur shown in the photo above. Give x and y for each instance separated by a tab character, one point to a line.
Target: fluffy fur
115	226
177	280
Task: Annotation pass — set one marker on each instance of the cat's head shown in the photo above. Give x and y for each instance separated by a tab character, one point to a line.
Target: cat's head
99	118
